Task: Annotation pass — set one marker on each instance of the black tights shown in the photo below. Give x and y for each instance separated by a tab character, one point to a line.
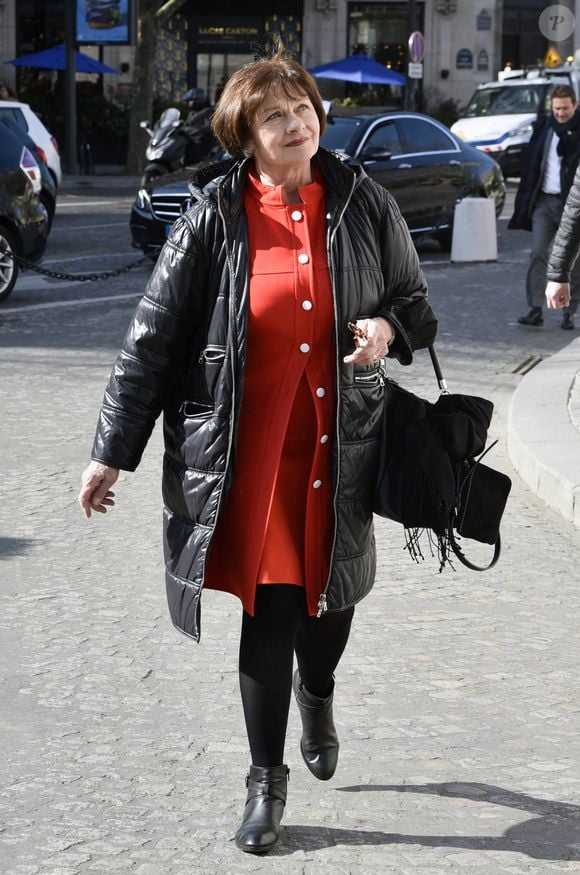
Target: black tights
279	627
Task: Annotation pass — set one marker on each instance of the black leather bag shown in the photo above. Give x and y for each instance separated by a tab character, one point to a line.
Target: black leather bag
430	477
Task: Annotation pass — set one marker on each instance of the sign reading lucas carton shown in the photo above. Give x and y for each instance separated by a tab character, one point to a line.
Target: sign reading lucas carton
227	33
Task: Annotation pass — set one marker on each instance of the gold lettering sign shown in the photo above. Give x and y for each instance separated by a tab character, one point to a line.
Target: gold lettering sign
247	31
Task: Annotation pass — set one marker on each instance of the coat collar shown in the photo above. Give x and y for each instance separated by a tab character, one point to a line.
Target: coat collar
224	182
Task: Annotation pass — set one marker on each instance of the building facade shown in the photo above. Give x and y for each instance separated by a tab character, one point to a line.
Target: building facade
466	41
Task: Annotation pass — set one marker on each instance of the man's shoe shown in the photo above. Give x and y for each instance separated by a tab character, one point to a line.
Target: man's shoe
567	322
260	827
319	742
534	317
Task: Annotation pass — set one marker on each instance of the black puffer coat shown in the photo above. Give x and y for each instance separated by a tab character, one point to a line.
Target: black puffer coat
566	246
184	355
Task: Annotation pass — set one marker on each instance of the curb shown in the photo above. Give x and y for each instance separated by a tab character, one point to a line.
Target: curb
543	441
95	182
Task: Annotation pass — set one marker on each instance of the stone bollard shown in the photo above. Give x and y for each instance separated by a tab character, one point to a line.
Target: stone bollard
474	230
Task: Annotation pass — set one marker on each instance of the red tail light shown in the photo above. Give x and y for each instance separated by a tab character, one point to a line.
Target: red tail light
41	154
55	144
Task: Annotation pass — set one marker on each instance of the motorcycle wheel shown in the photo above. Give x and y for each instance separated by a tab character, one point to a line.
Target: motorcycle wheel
151	172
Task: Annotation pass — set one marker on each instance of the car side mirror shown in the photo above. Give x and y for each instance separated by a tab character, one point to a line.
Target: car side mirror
375	153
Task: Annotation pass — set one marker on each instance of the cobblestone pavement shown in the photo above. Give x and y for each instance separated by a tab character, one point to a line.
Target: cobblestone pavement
123	750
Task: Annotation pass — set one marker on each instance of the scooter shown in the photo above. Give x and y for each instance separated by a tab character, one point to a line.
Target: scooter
176	142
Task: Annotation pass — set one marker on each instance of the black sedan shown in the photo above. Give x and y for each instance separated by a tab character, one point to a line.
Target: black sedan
425	167
23	218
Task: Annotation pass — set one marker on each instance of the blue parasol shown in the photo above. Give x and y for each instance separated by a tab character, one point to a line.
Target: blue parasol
358	68
55	59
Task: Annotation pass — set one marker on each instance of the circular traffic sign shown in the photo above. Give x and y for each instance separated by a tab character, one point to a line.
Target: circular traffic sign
417	47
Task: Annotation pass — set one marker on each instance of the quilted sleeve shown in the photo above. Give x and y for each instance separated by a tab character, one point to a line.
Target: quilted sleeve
156	346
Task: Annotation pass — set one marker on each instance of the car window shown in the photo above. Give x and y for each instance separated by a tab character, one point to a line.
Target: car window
423	136
15	113
339	134
509	100
385	137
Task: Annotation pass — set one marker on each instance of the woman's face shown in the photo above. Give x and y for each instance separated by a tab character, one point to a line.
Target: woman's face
285	131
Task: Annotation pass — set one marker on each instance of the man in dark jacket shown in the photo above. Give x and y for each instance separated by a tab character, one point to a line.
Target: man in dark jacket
551	160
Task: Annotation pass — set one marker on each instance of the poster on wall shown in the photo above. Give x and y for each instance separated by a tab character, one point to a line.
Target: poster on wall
105	22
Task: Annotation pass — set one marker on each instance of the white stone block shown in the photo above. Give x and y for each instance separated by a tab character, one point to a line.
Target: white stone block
474	230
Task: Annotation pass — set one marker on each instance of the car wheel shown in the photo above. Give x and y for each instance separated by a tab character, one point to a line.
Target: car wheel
8	267
444	239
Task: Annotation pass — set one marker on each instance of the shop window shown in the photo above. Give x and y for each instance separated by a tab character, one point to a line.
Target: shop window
380	30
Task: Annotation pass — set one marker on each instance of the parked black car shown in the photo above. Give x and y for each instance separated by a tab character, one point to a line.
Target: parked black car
23	218
426	168
48	184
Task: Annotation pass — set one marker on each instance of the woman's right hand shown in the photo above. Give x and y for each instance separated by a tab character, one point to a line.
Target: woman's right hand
95	494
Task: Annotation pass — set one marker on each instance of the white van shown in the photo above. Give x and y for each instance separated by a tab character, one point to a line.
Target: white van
498	119
27	119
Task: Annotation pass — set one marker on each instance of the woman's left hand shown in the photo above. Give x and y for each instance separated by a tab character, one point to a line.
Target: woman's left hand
374	345
557	295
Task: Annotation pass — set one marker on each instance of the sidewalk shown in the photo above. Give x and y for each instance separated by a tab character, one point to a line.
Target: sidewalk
123	744
544	431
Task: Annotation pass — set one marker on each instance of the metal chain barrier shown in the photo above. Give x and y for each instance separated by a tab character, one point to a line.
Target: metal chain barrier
78	277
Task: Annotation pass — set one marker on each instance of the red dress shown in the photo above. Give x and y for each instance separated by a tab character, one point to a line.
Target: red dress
277	523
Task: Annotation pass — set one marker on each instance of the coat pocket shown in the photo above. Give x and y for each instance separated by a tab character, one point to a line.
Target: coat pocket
212	360
196	409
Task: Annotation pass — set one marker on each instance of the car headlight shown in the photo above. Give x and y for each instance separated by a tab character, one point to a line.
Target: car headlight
523	129
143	201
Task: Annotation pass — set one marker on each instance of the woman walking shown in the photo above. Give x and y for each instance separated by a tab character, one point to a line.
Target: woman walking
271	405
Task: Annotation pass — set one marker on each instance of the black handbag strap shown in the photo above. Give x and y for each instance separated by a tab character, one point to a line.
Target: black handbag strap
463	558
442	382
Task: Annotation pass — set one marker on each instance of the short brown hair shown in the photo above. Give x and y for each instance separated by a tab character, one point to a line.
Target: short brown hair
563	91
249	86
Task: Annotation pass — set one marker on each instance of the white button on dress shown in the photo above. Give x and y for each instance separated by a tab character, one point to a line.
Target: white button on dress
304	347
324	439
317	484
296	215
321	392
303	258
307	305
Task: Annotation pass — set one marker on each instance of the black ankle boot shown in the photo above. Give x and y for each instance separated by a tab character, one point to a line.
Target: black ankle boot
534	317
265	803
319	743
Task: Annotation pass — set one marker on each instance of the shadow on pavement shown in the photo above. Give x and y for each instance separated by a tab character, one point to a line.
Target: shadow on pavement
553	834
11	548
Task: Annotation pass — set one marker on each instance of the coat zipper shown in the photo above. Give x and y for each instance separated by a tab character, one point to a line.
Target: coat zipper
372	378
232	311
322	602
